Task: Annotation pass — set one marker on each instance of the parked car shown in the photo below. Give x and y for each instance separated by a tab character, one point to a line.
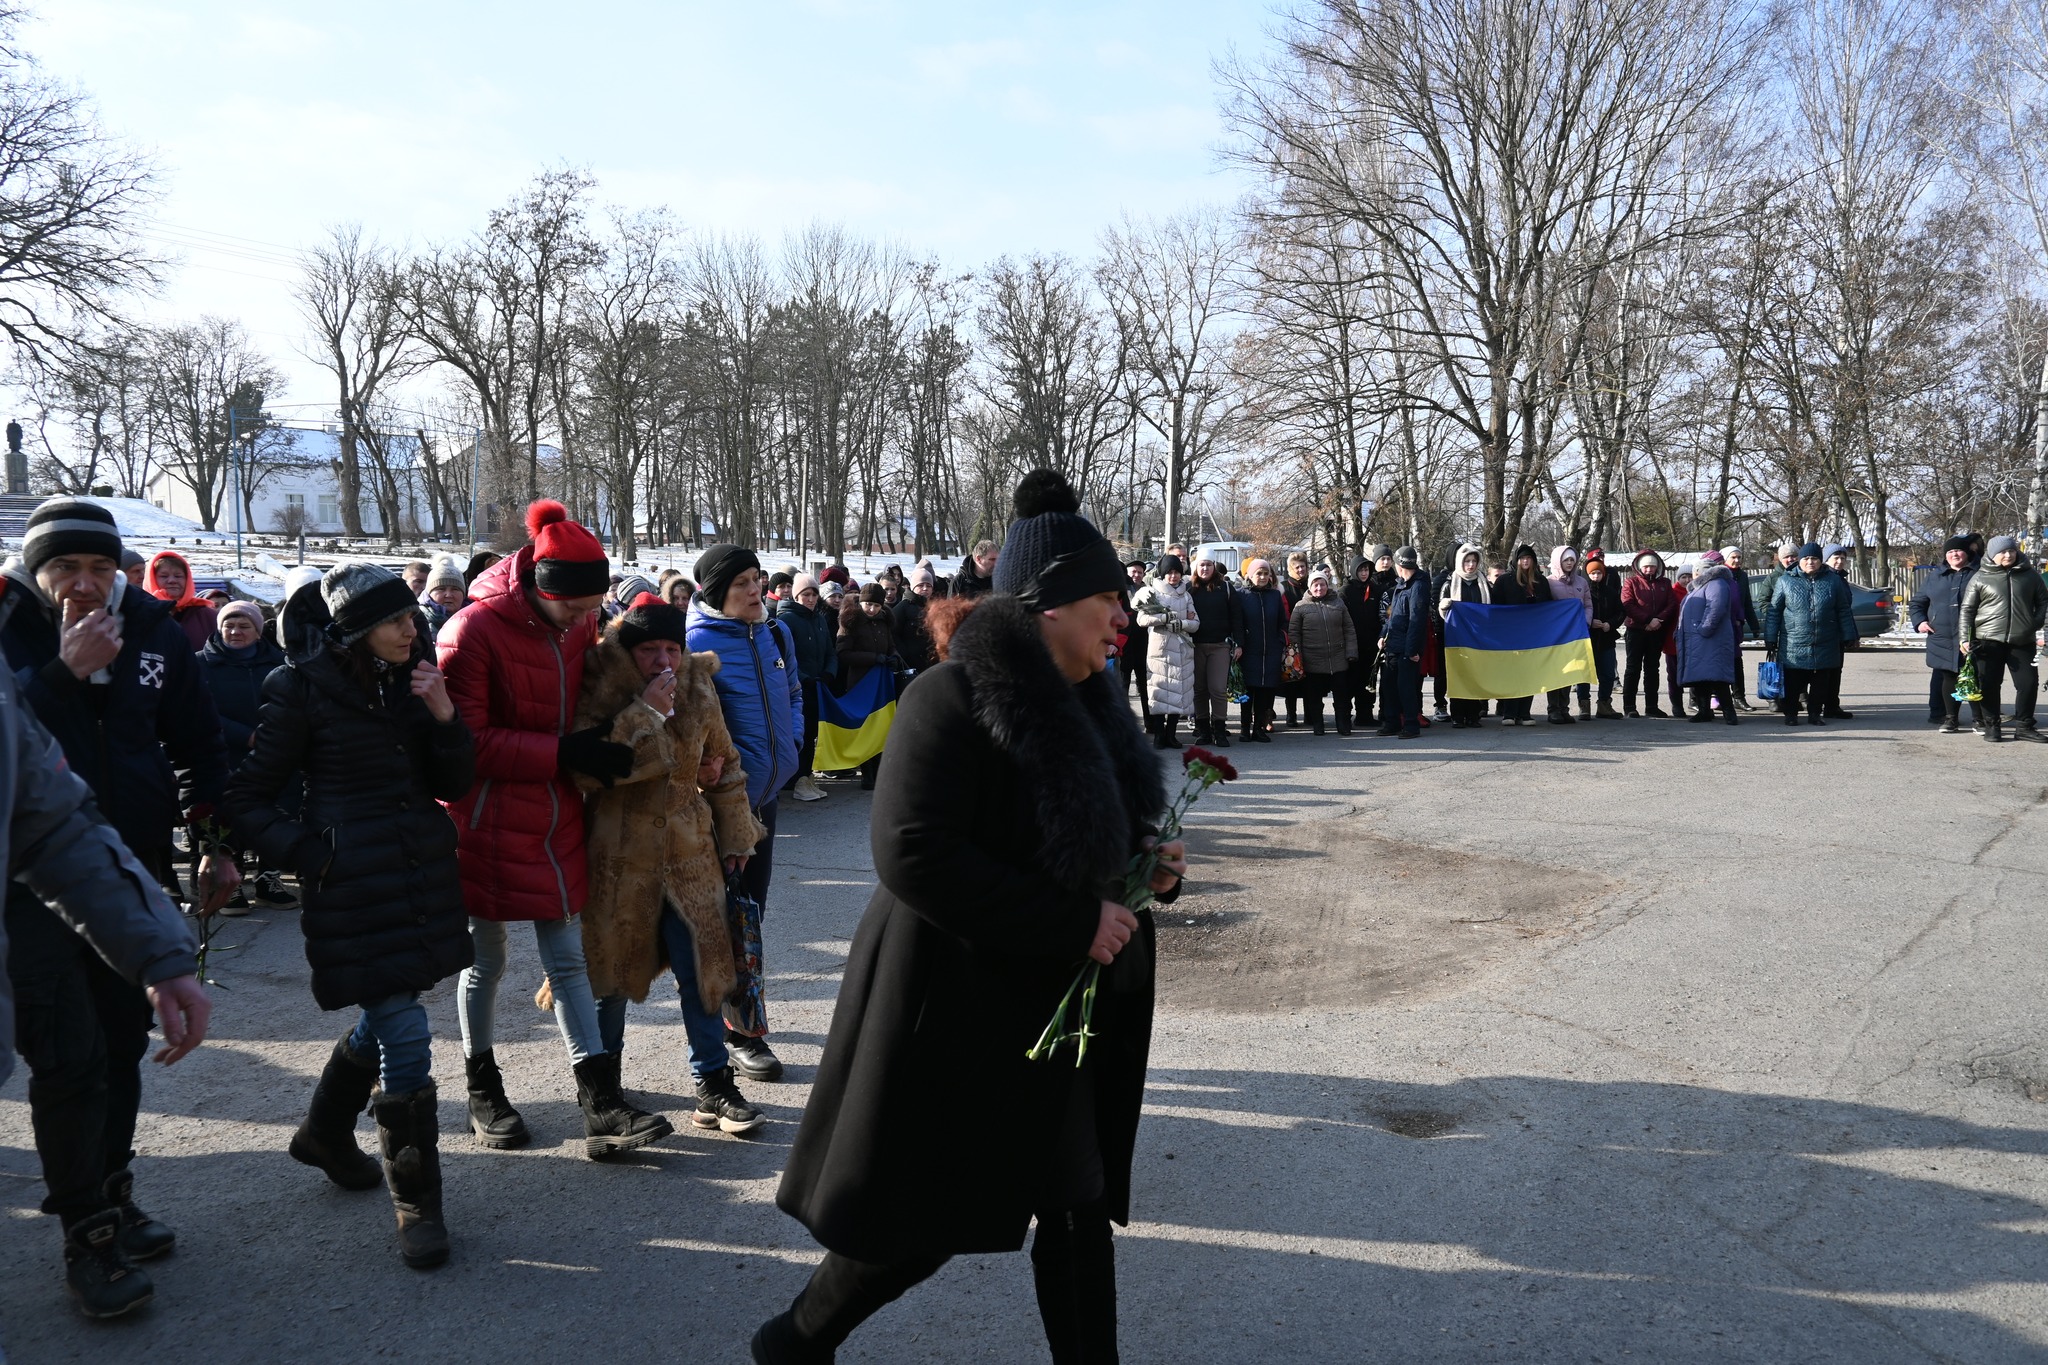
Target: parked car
1872	607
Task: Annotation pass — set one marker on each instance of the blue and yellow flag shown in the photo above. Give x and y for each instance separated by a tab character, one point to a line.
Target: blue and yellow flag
852	729
1519	651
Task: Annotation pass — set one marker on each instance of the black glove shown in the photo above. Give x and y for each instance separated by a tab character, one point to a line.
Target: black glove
590	753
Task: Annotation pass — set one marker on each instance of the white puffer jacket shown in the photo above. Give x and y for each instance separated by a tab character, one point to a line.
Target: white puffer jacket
1168	612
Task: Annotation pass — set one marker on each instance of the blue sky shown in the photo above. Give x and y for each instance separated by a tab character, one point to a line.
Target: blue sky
962	130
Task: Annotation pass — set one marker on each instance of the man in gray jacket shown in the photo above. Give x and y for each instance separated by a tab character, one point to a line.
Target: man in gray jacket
54	841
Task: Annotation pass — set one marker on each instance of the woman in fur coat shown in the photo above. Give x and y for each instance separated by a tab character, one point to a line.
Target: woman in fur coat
1018	789
1167	611
661	840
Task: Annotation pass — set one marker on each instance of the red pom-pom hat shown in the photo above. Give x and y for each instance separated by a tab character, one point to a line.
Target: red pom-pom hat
568	561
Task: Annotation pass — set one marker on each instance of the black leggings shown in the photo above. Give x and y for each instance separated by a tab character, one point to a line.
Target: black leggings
1645	650
1257	714
1073	1264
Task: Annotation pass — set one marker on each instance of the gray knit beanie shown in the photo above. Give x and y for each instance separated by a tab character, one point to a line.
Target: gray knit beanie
446	573
361	596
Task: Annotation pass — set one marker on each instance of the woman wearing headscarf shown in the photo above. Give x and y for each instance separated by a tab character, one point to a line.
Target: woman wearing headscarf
1321	631
1709	637
1567	581
1521	586
1262	611
1809	619
1019	787
1166	610
169	579
1467	582
1649	605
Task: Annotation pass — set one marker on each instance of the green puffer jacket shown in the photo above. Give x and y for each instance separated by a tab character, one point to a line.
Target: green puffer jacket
2004	604
1809	620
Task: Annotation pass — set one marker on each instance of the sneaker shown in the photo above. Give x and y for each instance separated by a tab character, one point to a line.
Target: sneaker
97	1273
1410	734
143	1238
806	788
271	892
752	1058
1950	727
720	1105
237	906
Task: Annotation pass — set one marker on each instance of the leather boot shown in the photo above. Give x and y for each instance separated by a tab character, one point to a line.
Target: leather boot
492	1119
1994	729
326	1140
610	1125
1172	733
1219	733
409	1135
97	1274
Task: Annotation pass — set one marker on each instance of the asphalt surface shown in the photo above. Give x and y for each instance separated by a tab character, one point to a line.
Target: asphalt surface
1620	1041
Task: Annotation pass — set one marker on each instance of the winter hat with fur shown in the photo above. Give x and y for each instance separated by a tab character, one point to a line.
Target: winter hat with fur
361	596
568	562
1053	555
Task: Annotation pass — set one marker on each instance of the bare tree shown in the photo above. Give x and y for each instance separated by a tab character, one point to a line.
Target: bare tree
350	292
69	197
1169	287
208	387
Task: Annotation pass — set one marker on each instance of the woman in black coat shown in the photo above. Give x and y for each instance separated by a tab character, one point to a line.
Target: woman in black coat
362	711
1019	787
1522	584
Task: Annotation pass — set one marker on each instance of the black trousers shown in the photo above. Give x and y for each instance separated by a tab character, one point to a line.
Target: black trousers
83	1031
761	866
1362	680
1995	659
1317	685
1400	693
1073	1266
1135	676
1807	689
809	752
1645	649
1257	714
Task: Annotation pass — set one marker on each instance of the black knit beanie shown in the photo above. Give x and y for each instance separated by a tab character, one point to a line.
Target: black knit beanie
69	526
361	596
1053	555
717	567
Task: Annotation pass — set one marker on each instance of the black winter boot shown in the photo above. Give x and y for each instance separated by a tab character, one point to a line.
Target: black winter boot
96	1272
610	1125
142	1237
721	1106
752	1057
1994	729
326	1140
492	1119
409	1133
1171	732
1219	734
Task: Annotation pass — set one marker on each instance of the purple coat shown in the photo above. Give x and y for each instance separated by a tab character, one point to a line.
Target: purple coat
1710	629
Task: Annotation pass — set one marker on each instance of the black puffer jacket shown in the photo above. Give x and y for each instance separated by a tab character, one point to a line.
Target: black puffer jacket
913	640
235	678
865	642
374	853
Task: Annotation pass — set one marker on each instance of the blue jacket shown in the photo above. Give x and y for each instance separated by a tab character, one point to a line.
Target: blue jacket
1262	634
760	692
1809	620
1408	618
147	741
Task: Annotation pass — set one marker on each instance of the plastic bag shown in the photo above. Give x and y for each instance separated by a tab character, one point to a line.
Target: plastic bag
1238	692
1966	682
746	1009
1770	681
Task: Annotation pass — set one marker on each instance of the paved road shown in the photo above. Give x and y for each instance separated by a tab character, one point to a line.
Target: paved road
1637	1040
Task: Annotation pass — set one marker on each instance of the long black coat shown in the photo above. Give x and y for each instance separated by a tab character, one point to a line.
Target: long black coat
374	853
1010	804
1939	604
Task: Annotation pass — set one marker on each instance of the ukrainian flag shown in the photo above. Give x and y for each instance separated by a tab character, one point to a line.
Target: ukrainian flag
1518	651
852	729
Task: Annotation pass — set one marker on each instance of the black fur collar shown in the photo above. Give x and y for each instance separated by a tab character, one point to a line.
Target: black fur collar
1075	744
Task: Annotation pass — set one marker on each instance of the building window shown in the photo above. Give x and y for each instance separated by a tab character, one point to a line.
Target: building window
295	504
330	509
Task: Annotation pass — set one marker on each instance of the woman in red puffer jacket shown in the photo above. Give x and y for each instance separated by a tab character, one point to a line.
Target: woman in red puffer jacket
514	664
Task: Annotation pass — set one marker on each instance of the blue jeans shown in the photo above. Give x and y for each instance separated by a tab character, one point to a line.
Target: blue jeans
703	1029
396	1029
561	956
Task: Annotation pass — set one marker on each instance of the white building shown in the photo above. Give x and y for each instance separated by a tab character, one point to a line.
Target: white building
296	481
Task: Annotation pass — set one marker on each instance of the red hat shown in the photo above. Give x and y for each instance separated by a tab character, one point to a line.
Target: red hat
568	561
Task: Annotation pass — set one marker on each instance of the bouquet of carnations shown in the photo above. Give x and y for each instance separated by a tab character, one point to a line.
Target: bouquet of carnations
1201	771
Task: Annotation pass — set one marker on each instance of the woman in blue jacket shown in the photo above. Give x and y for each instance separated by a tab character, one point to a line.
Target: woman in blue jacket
761	693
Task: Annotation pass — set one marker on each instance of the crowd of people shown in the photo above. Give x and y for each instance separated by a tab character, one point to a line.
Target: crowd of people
1206	637
437	755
